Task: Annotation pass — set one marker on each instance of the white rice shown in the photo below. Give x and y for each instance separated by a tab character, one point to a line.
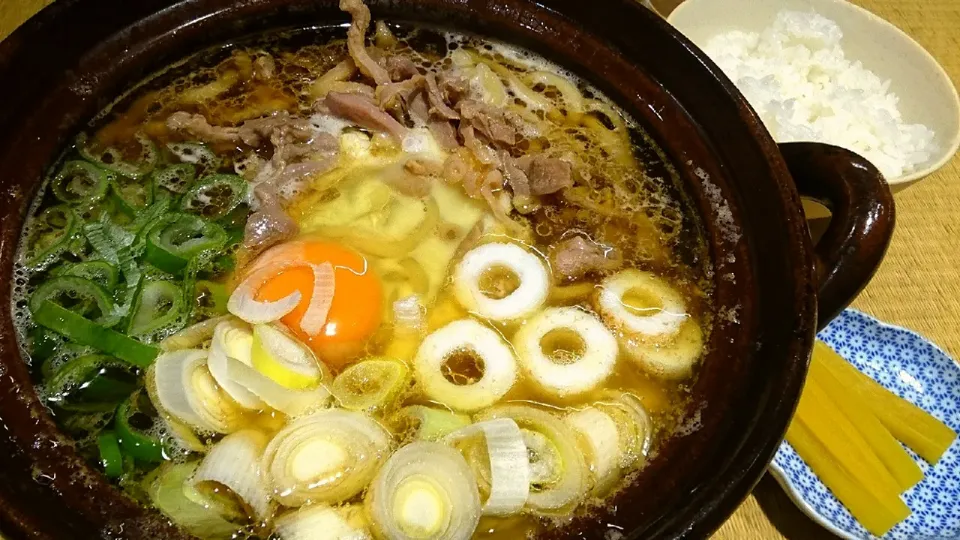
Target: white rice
796	76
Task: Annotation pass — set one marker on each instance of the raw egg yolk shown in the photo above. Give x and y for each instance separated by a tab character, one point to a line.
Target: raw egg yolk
356	310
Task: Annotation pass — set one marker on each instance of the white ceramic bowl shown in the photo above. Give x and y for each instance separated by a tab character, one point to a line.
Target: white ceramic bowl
927	96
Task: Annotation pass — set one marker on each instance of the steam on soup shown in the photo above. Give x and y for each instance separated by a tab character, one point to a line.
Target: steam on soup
429	287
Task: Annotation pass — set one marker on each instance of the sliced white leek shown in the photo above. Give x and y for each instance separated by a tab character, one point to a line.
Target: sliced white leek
634	427
508	464
165	486
526	299
669	360
232	340
192	336
601	438
179	384
419	422
572	374
234	463
326	457
290	402
661	320
465	336
425	491
285	359
558	472
322	522
168	383
371	385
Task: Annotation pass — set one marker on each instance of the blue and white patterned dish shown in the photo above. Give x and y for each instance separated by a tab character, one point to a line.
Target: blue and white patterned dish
913	368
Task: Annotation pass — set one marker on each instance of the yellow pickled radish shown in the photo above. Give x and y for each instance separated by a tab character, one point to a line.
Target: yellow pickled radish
877	511
897	461
840	437
911	425
284	359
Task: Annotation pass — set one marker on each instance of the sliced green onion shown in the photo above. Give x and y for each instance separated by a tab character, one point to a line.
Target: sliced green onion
175	179
328	456
110	457
78	295
601	438
198	154
83	425
371	385
159	304
172	242
133	425
80	182
132	195
214	196
321	521
112	159
558	472
93	382
285	359
234	463
86	332
209	298
425	490
100	272
42	345
149	216
166	489
509	470
419	422
48	235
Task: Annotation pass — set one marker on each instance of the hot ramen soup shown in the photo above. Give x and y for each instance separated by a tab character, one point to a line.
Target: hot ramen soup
407	285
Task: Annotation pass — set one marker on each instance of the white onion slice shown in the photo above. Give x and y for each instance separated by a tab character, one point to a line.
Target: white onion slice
232	340
168	384
600	435
243	301
234	462
320	301
509	468
328	456
465	336
523	301
322	522
426	490
584	373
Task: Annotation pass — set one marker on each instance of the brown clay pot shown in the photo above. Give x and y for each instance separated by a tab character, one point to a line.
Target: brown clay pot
64	65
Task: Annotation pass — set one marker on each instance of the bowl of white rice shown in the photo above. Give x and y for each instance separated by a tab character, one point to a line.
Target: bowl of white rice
829	71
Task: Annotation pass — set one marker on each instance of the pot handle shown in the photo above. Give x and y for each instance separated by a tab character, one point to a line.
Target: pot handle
861	225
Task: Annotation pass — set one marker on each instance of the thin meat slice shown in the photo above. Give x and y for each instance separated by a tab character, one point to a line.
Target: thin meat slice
523	199
444	133
197	125
453	86
400	67
549	175
498	125
417	109
481	151
394	95
575	257
365	113
269	225
264	67
355	41
437	106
